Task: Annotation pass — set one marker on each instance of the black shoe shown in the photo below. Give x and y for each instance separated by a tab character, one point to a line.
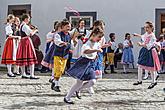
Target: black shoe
32	77
152	85
113	72
124	72
137	83
106	72
68	101
17	74
10	75
25	77
52	85
51	80
78	95
157	77
164	89
44	70
57	88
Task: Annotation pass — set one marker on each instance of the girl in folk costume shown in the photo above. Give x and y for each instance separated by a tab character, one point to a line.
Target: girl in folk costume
16	27
48	60
49	44
79	38
9	53
26	55
162	53
84	68
99	60
148	56
127	57
61	53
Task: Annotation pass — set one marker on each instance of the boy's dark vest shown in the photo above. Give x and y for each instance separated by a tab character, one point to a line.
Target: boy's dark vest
109	50
22	33
64	50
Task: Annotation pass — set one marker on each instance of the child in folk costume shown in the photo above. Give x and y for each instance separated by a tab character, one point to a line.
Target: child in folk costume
162	53
148	56
84	68
110	52
9	53
102	42
16	27
118	54
61	53
48	60
127	57
26	55
79	37
48	53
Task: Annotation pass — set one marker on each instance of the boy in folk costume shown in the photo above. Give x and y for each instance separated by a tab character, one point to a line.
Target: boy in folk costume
62	48
9	53
26	55
110	53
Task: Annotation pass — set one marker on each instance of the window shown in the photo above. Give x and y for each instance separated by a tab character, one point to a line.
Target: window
19	10
88	17
159	20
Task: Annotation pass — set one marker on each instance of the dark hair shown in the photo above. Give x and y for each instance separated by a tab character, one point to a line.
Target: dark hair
96	31
64	22
111	35
9	17
150	25
98	23
80	21
160	37
127	35
25	16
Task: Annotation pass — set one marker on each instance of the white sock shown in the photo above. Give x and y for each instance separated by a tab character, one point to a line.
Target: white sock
124	67
89	84
57	83
153	76
31	70
23	70
17	69
146	73
73	89
9	69
52	77
139	74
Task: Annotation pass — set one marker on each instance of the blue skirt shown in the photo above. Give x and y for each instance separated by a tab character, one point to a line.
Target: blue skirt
162	56
83	69
99	62
145	57
127	56
49	57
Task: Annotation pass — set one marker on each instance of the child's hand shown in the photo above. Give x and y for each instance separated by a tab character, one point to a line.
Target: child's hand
99	50
139	43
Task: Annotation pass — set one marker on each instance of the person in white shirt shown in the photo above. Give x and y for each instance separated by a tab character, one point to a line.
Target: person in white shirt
9	52
26	55
148	56
84	68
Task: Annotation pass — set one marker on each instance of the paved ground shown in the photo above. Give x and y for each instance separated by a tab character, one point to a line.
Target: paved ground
113	92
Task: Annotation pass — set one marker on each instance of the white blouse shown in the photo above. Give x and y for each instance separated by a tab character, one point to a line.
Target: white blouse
90	45
8	29
149	40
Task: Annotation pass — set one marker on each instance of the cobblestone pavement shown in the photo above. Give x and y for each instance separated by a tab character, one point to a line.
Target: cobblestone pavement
113	92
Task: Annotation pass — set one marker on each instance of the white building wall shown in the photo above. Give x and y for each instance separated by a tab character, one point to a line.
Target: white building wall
120	16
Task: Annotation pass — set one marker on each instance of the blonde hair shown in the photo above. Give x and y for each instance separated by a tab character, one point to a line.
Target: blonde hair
9	17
